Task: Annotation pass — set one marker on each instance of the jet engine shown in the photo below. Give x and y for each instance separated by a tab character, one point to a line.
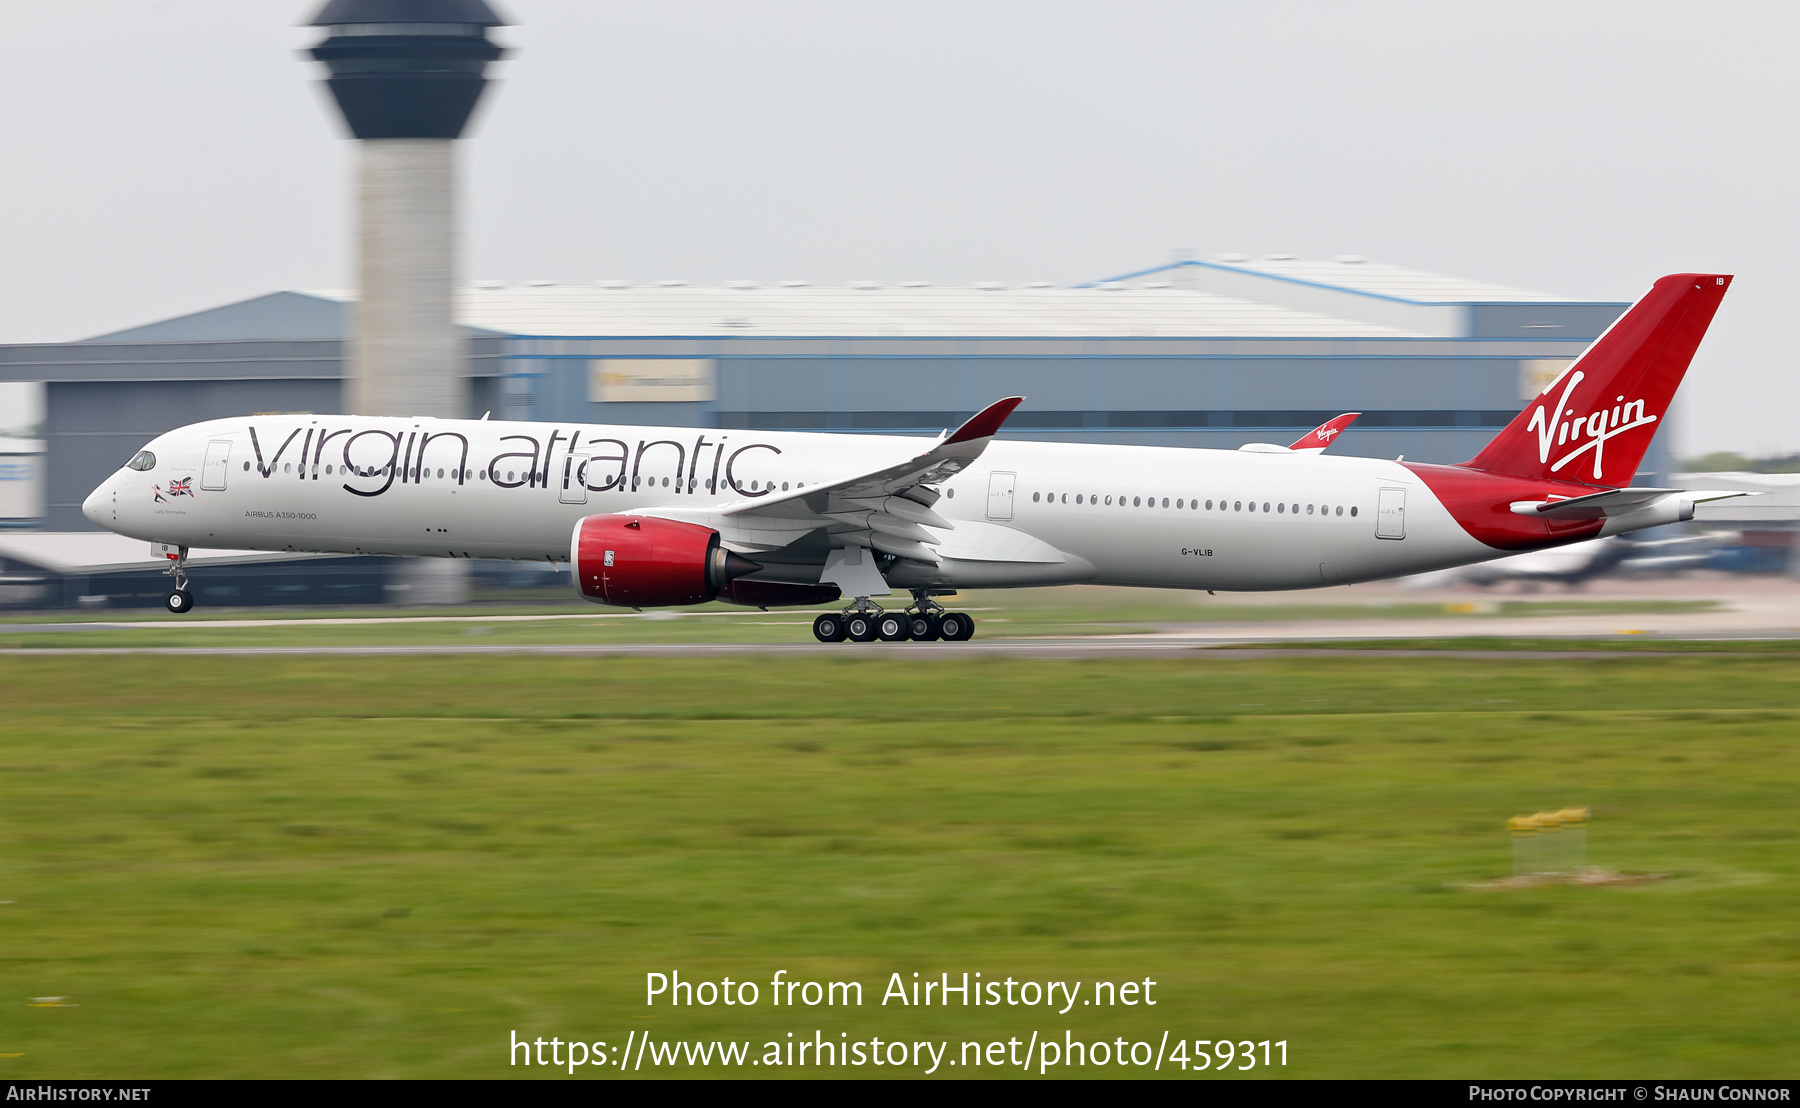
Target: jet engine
645	562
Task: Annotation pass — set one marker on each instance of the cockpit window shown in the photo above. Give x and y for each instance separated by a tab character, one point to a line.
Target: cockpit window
144	460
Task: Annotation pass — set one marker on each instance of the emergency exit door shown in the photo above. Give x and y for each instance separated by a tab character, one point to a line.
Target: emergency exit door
1390	514
574	479
1000	495
213	469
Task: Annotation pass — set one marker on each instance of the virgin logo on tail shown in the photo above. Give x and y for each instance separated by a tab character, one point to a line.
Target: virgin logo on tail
1555	432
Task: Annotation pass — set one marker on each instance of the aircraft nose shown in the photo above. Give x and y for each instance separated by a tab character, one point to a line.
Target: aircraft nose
98	507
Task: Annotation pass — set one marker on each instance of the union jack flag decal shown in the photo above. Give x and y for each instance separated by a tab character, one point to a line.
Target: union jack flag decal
183	487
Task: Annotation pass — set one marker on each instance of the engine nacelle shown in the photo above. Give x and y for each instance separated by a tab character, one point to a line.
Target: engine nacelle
779	594
645	562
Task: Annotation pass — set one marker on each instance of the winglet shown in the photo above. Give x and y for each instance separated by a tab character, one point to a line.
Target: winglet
986	422
1317	439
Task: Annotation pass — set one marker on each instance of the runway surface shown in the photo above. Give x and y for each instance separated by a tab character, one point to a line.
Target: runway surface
1136	646
1747	609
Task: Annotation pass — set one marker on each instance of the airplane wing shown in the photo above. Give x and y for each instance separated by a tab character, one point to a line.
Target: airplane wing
1316	440
888	509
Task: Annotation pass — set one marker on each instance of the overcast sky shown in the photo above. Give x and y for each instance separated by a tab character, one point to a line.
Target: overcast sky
164	156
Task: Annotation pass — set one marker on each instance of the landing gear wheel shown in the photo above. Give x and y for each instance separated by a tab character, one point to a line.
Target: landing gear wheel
956	627
924	627
859	627
181	602
893	627
829	628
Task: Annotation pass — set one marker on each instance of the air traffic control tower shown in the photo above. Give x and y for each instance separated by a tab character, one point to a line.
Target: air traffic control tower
407	74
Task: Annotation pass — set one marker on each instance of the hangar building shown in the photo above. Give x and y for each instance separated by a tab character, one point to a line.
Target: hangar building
1196	353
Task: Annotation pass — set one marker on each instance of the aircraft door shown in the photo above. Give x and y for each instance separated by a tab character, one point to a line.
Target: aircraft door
1000	495
1390	514
574	479
213	469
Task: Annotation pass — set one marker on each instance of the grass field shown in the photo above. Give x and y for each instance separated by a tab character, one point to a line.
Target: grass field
382	866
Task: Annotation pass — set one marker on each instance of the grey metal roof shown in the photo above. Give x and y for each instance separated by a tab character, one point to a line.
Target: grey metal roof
1351	273
576	310
279	315
1269	298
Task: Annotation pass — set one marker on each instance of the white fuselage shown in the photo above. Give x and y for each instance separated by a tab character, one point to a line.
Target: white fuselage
1025	513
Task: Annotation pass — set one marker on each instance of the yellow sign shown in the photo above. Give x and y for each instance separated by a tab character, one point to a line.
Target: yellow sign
652	380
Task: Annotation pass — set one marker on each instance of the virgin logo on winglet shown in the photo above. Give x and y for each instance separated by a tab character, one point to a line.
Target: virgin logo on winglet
1554	431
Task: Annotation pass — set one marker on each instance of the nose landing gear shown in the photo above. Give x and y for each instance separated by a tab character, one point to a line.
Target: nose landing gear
181	601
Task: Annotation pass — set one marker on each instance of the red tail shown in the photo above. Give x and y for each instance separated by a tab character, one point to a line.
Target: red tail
1594	422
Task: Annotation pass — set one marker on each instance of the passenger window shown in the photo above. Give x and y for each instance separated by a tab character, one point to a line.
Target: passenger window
1353	511
1209	505
1109	501
1165	502
1340	509
1178	502
1077	498
1239	505
1309	509
1134	502
1034	498
1281	508
951	493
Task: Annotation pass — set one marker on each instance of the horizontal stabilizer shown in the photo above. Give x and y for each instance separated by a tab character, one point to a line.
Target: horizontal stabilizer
1613	502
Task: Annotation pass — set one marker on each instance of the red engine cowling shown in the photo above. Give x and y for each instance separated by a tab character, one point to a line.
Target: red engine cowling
645	562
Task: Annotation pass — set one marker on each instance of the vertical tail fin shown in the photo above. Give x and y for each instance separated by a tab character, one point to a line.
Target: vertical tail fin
1595	421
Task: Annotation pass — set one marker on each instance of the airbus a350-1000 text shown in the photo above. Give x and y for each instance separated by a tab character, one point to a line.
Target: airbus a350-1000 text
657	516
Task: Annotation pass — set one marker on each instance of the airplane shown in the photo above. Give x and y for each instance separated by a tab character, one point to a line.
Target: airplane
668	516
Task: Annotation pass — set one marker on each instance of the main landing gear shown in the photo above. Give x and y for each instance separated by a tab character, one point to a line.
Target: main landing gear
181	601
924	621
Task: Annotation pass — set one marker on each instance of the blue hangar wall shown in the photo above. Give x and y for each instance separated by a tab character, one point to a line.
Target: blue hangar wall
1430	399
